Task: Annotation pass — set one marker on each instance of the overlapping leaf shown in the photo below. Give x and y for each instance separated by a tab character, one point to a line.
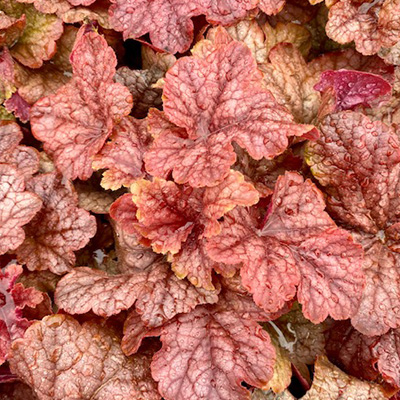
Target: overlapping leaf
331	383
79	361
59	229
13	298
357	161
208	352
75	122
298	245
178	220
370	25
122	155
38	40
210	111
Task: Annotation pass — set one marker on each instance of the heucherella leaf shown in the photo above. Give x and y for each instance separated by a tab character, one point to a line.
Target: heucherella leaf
13	298
208	116
38	40
75	122
353	88
11	29
178	220
59	229
209	352
330	383
122	155
169	24
370	25
291	80
260	38
298	246
18	207
351	350
87	357
33	84
358	162
157	293
24	158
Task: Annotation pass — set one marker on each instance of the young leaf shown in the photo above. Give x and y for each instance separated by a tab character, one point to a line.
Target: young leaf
75	122
211	111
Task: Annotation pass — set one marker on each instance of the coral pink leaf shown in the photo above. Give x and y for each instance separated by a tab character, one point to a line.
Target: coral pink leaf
122	156
169	23
13	298
87	357
351	350
386	351
10	136
59	229
208	354
212	116
160	295
299	245
354	88
18	207
75	122
357	161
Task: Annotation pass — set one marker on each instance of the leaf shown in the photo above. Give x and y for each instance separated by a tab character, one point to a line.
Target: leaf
291	80
370	25
206	109
141	83
330	383
11	29
7	76
169	24
361	180
298	245
13	298
354	88
75	122
157	293
207	353
176	220
59	229
351	350
38	41
18	207
17	105
122	155
260	38
40	82
380	307
385	353
86	356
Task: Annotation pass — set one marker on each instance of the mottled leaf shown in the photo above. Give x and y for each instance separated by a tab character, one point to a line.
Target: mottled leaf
17	205
169	23
298	245
330	383
75	122
38	41
211	111
122	155
207	353
79	361
370	25
59	229
13	298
